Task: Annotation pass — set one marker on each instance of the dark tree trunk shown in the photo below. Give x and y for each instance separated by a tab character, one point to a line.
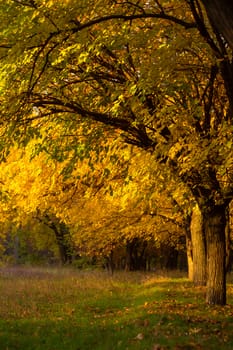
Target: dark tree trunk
141	261
129	257
16	249
215	223
171	259
220	13
109	262
62	237
198	247
135	255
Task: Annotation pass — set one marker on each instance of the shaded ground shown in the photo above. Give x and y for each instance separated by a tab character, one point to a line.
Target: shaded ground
54	309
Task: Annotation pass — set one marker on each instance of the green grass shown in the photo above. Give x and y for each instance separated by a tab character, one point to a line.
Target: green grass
64	309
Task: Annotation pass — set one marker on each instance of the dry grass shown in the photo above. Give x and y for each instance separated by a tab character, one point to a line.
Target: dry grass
56	309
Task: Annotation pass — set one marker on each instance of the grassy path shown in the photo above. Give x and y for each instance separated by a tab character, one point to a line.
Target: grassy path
52	309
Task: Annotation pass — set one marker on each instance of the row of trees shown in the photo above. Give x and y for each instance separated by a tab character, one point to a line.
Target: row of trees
105	211
160	72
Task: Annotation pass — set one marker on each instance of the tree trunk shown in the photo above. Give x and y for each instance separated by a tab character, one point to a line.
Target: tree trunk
215	223
189	257
128	257
109	263
63	239
220	13
228	240
16	249
198	247
62	236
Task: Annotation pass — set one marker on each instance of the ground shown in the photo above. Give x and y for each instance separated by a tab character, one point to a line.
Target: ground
56	309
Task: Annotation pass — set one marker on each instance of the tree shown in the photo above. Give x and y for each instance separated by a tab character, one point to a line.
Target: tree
94	209
198	247
63	237
164	78
220	14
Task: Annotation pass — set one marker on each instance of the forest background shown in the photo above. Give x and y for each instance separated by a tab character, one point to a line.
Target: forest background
116	136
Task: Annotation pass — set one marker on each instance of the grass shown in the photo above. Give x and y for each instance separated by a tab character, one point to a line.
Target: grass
65	309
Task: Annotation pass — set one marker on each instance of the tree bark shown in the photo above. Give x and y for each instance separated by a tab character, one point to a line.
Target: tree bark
189	257
109	262
129	258
198	247
62	237
220	13
215	223
228	240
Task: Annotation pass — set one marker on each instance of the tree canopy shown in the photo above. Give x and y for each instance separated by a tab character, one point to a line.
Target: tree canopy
158	72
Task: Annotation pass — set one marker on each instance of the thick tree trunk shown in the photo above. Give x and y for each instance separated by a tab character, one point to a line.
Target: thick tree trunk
198	247
189	248
129	257
220	13
62	236
215	222
63	240
228	240
189	257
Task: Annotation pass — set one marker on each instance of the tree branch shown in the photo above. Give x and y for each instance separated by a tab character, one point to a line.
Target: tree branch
161	15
